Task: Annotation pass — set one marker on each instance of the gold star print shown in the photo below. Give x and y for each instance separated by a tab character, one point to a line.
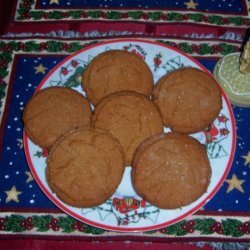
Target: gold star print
20	142
40	69
12	195
247	158
235	183
54	1
30	177
191	4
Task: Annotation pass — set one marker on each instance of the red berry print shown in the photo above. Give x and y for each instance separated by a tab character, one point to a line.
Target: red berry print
64	71
74	63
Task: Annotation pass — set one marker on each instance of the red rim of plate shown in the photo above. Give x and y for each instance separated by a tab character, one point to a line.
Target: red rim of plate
134	229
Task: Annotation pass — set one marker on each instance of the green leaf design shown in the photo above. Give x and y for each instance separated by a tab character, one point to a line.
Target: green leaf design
54	46
75	14
66	223
176	229
186	47
113	15
7	56
172	16
31	46
20	12
36	14
38	154
75	80
93	230
195	17
231	227
135	14
155	15
204	225
226	48
3	72
94	14
14	223
41	222
215	19
13	45
2	92
74	47
236	20
55	14
205	49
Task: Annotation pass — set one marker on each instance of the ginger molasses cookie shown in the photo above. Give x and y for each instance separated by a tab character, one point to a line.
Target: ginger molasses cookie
189	99
53	111
85	167
130	117
171	170
114	71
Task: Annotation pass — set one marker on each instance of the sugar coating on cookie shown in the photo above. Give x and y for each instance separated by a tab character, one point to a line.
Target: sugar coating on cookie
189	99
53	111
114	71
85	167
171	170
130	117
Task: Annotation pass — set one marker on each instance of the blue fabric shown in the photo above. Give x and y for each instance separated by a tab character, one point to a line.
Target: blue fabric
221	6
13	162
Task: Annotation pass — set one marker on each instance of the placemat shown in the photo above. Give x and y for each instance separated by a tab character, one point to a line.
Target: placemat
26	212
217	18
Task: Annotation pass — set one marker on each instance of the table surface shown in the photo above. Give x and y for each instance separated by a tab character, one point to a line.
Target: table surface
39	34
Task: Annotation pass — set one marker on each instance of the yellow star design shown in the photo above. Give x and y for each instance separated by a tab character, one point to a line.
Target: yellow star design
191	4
235	183
20	142
40	69
12	195
54	1
247	158
30	177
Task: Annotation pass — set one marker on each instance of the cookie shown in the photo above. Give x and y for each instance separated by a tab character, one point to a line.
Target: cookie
171	170
85	167
143	145
115	71
53	111
130	117
189	99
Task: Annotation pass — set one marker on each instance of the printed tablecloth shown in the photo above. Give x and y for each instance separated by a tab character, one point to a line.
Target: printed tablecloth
178	18
24	209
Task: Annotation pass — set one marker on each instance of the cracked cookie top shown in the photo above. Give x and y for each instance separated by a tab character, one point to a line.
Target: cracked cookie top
85	167
53	111
171	170
189	99
130	117
116	70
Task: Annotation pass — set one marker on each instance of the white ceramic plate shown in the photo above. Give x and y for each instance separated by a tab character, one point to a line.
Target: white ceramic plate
125	210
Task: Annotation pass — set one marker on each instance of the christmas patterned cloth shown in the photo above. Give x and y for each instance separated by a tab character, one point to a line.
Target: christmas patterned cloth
212	18
24	208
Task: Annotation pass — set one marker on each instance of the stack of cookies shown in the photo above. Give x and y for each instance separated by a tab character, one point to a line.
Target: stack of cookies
88	151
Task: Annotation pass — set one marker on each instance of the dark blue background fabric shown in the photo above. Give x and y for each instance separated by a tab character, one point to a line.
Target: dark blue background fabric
220	6
13	163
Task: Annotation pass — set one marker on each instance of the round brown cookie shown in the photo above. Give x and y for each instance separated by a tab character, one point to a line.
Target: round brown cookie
53	111
171	170
85	167
143	145
115	71
130	117
189	100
